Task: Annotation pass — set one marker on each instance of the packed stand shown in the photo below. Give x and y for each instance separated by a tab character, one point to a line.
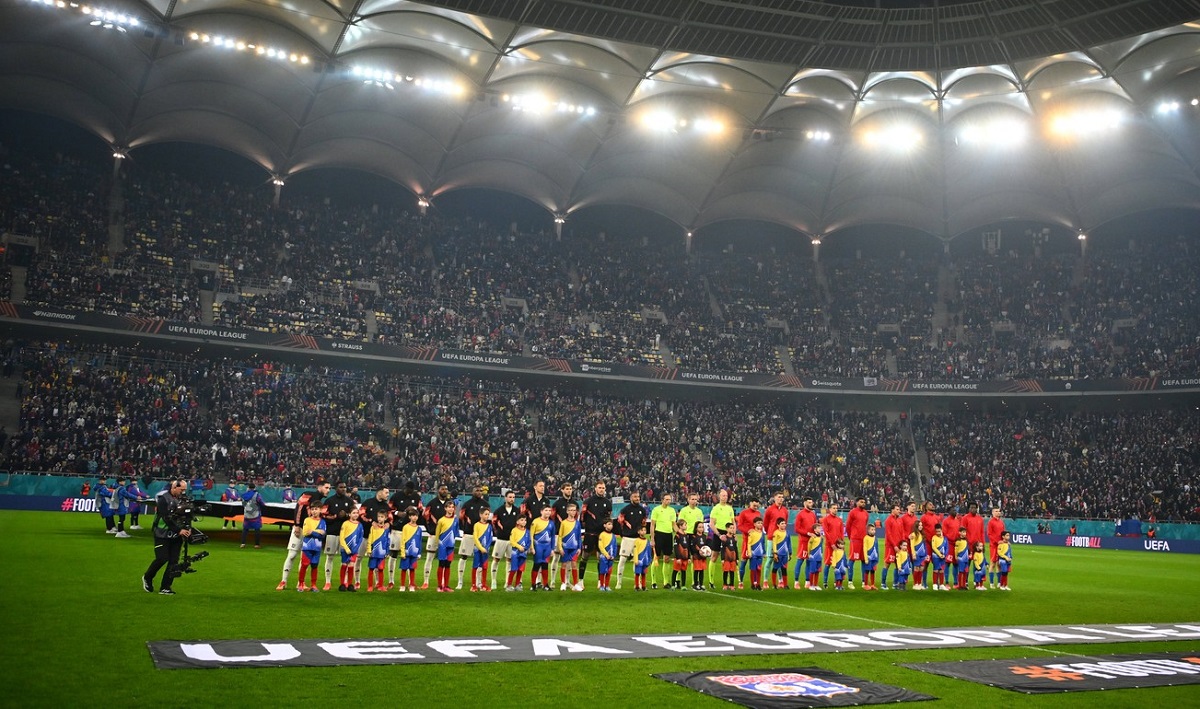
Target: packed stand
835	456
321	268
868	293
1158	287
1053	464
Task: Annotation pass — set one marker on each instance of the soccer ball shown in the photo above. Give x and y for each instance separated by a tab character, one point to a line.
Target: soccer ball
705	552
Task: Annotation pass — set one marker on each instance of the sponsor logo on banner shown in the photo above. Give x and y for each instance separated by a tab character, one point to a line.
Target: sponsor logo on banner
791	687
79	504
176	654
1081	674
1139	544
787	684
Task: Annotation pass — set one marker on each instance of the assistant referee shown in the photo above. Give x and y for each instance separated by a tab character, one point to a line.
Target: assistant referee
662	520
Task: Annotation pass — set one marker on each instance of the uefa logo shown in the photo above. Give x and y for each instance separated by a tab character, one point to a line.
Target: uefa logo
786	684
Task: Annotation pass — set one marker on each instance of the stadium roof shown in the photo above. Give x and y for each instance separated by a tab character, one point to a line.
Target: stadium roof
818	116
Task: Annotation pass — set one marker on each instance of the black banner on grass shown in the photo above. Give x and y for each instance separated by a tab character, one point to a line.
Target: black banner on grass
176	654
792	687
1075	674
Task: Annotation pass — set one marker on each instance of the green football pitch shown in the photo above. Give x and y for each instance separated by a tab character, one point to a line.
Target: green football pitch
76	623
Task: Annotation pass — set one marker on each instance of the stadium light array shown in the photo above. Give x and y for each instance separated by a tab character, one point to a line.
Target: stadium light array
385	78
662	122
999	133
241	45
1170	107
898	137
667	122
109	20
818	136
100	17
1086	123
539	104
121	21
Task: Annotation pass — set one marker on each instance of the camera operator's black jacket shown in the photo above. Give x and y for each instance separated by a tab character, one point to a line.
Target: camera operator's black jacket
167	525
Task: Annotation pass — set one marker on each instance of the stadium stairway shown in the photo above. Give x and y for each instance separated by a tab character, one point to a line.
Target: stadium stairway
206	306
784	354
920	461
10	407
18	284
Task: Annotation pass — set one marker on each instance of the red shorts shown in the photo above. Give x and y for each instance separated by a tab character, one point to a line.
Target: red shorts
856	550
680	565
700	564
995	555
729	566
889	555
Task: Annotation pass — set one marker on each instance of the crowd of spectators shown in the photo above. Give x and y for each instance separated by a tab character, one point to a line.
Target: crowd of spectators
203	250
167	414
161	414
1050	464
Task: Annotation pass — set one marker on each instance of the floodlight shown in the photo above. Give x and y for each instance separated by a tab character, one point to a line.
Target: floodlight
1086	123
661	121
1000	132
897	137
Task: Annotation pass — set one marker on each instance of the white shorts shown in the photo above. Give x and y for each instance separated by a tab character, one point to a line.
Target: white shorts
333	544
294	542
501	549
467	546
431	543
362	549
394	537
627	547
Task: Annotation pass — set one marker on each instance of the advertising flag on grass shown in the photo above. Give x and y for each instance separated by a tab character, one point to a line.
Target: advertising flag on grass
792	687
1074	673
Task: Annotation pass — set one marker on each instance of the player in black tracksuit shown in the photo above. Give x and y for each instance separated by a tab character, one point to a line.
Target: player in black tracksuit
597	510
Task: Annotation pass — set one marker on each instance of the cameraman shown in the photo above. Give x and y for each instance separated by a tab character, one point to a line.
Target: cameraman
168	537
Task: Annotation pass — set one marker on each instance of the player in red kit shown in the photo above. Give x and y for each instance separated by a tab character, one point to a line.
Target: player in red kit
835	531
995	532
771	516
806	528
973	523
856	528
929	522
909	520
745	525
951	523
893	534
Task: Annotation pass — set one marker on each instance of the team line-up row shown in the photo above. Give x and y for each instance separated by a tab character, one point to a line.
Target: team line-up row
558	539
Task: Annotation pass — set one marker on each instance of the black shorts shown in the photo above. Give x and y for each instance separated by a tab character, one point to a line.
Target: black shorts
591	543
664	544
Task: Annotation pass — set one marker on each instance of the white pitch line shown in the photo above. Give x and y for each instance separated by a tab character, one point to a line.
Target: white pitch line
806	609
813	610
